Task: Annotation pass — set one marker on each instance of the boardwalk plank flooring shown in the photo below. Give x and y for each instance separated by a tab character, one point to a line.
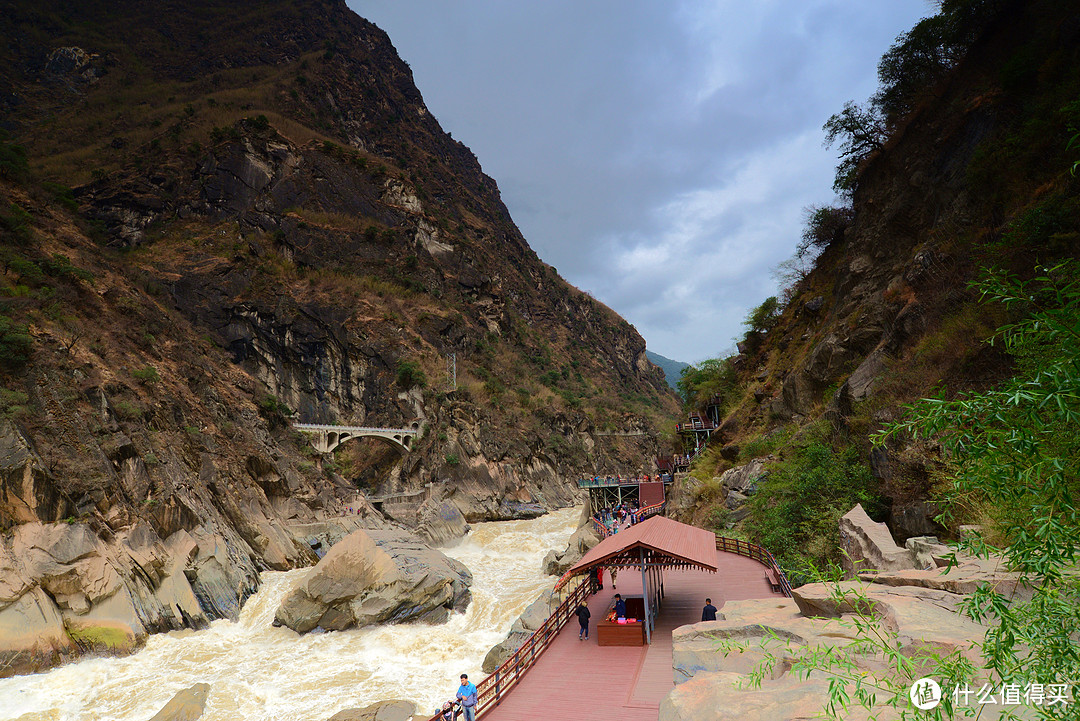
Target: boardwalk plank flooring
576	680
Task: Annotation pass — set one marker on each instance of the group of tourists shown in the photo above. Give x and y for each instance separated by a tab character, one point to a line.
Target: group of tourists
629	480
616	518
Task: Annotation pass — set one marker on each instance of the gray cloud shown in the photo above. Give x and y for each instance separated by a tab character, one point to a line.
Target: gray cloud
659	154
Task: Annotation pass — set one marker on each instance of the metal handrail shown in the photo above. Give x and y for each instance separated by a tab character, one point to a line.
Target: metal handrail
756	552
490	691
606	483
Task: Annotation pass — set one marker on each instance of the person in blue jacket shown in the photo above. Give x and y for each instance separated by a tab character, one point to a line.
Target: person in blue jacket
620	606
466	696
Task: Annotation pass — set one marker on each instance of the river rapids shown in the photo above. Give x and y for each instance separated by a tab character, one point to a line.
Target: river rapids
260	673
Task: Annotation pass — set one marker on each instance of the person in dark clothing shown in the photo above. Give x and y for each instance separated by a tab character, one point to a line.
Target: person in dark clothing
620	606
709	612
583	616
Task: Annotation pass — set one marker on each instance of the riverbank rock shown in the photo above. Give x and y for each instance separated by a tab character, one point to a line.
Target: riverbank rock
527	623
583	539
719	696
776	630
868	545
65	591
440	523
187	705
369	577
395	710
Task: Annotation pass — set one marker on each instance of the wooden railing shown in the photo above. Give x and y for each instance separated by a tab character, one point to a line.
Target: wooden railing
493	688
759	554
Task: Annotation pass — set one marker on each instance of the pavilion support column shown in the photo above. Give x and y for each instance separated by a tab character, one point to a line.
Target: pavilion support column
645	596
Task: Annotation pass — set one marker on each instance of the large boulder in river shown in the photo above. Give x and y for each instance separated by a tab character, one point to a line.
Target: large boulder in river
440	523
383	576
395	710
187	705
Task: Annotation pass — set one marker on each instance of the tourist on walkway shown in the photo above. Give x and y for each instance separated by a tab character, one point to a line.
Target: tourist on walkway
599	578
709	612
583	616
614	574
466	696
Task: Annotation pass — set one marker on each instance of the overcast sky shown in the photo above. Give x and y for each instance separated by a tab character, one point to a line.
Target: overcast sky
659	154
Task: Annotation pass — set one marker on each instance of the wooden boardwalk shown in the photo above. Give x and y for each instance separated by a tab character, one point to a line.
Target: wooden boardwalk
577	680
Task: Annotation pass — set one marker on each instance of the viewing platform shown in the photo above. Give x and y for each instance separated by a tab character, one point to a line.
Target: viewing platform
610	491
666	570
574	679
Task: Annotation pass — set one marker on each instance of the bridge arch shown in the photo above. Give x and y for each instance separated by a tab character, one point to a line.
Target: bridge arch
325	438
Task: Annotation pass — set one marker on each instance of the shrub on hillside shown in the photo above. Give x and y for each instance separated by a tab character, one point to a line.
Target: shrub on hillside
825	226
16	344
410	375
798	505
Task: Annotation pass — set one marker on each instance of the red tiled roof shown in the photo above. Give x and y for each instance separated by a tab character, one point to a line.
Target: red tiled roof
668	543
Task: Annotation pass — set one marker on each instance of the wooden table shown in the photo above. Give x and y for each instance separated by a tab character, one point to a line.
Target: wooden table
623	634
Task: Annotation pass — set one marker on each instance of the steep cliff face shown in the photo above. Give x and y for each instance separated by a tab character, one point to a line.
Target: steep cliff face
231	219
976	176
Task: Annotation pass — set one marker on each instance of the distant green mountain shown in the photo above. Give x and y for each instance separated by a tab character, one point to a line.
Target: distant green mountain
672	368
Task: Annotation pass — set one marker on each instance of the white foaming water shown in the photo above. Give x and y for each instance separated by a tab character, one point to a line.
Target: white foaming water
260	673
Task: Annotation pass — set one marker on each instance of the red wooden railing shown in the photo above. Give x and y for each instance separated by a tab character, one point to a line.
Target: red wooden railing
491	690
758	553
646	512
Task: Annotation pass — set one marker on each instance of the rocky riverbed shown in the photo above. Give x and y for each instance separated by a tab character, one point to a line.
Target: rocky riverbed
257	672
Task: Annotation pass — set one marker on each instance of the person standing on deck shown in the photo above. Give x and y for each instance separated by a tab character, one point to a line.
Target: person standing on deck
620	606
583	617
614	575
466	696
709	612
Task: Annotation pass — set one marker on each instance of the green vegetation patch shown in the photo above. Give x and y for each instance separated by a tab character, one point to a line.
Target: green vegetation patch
108	638
798	506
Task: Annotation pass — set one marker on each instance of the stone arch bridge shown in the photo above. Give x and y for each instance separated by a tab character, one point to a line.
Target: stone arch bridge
325	438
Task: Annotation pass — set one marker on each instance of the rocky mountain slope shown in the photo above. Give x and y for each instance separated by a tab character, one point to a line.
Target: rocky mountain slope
218	220
975	173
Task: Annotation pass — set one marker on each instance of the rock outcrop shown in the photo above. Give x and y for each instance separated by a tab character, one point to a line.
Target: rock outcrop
868	545
725	696
711	660
187	705
556	563
527	623
963	578
376	577
395	710
64	590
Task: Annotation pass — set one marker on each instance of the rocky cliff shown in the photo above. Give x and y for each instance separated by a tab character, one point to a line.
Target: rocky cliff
976	174
218	221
